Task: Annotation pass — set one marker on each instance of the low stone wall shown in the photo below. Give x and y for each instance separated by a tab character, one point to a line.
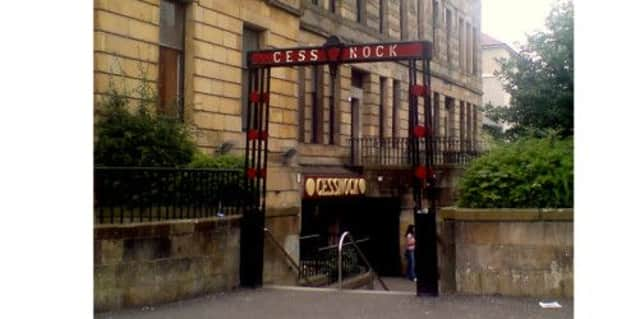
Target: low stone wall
160	262
513	252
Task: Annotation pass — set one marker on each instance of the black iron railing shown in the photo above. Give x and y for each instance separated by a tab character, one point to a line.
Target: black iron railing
136	194
375	151
323	261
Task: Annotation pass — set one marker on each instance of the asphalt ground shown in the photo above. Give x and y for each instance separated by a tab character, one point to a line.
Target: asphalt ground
286	302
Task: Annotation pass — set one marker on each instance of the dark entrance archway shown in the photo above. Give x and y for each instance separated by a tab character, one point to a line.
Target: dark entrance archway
333	53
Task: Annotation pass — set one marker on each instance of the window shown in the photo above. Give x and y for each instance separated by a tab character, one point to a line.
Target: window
468	121
357	84
394	108
435	22
333	100
382	115
462	120
403	19
171	59
250	41
332	6
381	11
474	123
436	113
316	104
314	2
475	51
469	46
361	11
448	30
449	104
461	43
301	104
420	19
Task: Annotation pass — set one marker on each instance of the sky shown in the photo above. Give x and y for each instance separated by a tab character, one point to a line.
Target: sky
510	20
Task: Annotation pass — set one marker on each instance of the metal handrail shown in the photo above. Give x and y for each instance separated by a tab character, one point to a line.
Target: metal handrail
342	238
286	254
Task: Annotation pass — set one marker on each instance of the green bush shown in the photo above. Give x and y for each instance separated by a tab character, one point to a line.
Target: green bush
529	173
123	138
201	160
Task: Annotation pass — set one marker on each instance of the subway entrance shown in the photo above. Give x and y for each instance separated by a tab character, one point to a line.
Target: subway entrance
373	223
419	154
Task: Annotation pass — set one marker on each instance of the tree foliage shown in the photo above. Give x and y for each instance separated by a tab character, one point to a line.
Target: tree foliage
528	173
201	160
140	138
540	78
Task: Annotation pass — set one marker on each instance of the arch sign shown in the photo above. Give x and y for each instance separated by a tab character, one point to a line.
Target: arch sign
342	54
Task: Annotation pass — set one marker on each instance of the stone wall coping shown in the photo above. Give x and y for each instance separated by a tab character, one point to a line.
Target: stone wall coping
162	228
506	214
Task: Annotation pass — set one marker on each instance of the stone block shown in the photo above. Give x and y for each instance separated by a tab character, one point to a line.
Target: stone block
165	292
564	257
232	123
213	283
510	283
209	34
181	228
234	57
229	106
489	282
110	22
229	73
231	40
529	257
567	285
138	296
231	90
107	299
207	120
174	269
183	246
141	249
479	257
205	15
130	48
468	282
104	277
534	284
208	68
483	233
143	31
216	264
137	273
111	251
135	9
521	233
558	233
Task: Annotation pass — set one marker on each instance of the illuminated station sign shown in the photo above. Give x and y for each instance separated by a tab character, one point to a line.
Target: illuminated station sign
338	186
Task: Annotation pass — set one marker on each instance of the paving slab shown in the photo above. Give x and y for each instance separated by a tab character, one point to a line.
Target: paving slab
271	303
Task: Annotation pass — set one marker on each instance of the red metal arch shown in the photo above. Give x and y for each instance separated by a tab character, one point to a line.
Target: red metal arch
333	53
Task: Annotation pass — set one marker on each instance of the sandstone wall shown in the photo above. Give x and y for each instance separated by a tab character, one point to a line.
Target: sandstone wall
512	252
151	263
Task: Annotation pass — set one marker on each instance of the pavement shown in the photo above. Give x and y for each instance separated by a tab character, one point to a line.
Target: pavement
298	302
396	284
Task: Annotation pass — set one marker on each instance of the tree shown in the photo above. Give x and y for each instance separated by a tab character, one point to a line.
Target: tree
540	78
140	138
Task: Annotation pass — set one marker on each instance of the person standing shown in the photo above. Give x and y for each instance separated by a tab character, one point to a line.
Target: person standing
409	253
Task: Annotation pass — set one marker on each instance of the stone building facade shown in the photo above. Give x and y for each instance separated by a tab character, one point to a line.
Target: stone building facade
494	93
193	51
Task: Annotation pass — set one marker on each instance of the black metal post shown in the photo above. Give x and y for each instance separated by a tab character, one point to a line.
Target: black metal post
425	221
